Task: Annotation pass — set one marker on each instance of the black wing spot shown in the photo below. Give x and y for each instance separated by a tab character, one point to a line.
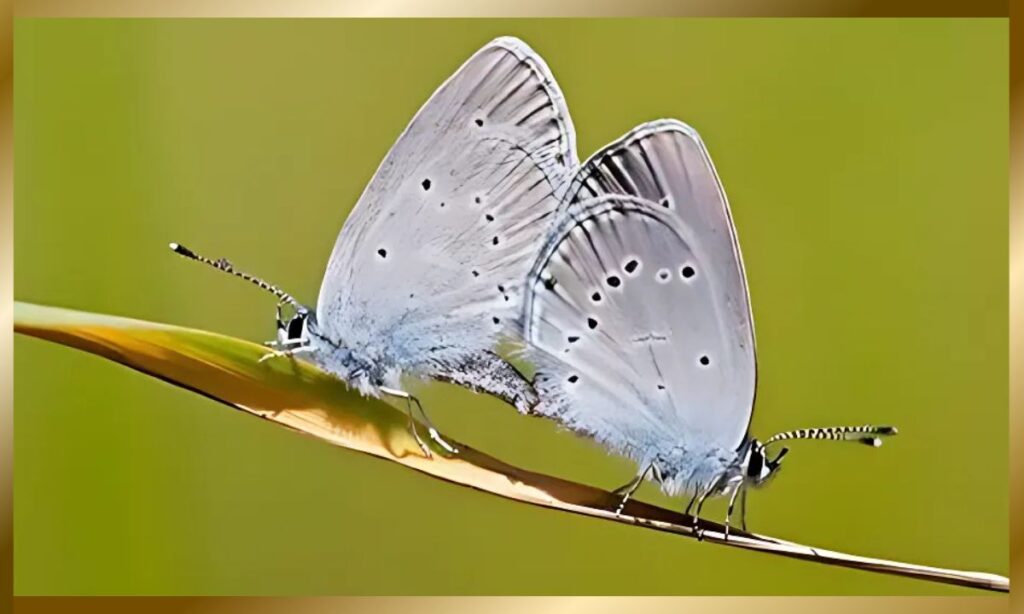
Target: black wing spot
489	217
425	184
501	288
573	339
494	241
665	203
661	386
383	253
479	123
592	323
631	266
663	275
496	320
442	205
573	379
476	200
614	281
704	361
550	283
688	272
596	297
476	273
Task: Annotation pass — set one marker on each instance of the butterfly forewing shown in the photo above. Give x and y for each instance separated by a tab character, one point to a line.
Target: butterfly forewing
666	163
430	265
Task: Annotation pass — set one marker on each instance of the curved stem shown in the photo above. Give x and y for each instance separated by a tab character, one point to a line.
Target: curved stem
298	396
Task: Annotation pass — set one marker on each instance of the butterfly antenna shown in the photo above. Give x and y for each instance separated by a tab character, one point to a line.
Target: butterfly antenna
226	266
867	434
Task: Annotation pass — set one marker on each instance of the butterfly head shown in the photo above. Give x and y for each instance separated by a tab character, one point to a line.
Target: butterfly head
291	332
295	330
757	467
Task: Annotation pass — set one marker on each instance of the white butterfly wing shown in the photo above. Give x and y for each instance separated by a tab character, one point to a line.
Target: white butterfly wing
430	265
665	162
638	314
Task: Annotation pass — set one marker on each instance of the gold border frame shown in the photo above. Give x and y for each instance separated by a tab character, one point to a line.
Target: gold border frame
510	8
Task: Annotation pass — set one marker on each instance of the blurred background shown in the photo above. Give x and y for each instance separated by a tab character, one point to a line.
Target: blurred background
866	166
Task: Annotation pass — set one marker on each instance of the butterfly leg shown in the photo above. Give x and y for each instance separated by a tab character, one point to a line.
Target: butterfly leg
626	490
412	420
689	507
434	434
743	509
285	353
287	344
700	505
732	502
699	532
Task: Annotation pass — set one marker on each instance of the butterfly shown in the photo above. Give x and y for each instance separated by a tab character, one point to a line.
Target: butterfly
427	273
637	316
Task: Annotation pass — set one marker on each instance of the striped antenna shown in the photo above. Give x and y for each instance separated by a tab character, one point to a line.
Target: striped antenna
226	266
867	434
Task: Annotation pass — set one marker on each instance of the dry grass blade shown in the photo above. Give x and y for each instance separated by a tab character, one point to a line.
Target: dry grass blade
301	397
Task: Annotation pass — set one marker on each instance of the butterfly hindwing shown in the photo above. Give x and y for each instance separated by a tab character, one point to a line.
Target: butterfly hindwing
637	315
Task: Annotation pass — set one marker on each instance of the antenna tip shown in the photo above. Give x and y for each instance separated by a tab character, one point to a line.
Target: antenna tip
181	249
887	430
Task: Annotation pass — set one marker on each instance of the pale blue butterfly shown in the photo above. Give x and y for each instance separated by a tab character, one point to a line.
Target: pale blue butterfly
638	318
427	273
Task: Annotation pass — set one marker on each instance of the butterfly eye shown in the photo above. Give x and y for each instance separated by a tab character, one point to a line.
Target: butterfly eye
755	464
295	327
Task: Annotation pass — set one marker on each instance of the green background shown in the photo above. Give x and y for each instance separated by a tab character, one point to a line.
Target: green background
866	163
